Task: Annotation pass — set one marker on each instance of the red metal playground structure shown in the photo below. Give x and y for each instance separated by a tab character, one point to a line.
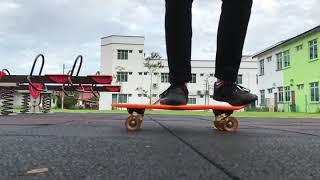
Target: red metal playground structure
37	90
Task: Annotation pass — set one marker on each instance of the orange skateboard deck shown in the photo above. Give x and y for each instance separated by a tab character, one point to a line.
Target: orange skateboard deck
223	120
221	107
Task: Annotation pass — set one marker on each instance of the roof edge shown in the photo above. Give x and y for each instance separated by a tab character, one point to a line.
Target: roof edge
286	41
121	36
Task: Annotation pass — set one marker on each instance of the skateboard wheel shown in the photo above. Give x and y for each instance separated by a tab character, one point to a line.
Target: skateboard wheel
231	124
219	125
133	123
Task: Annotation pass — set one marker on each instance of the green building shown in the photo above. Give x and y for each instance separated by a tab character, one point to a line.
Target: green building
289	74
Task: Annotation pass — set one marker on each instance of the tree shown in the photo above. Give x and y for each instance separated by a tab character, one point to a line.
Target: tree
69	102
153	64
142	91
208	85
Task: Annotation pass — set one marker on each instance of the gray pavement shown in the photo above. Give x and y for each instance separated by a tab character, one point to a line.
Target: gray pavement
97	146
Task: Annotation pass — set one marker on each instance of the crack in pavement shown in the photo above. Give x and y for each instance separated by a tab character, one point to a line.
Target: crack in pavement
194	149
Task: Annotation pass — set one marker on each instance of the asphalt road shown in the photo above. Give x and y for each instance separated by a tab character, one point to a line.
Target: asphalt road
97	146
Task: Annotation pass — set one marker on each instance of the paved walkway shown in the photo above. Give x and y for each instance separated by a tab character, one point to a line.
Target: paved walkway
97	146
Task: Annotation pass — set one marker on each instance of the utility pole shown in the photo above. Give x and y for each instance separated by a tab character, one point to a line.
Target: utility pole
150	91
62	96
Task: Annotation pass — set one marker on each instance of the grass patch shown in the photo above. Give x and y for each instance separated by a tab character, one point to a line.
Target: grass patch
204	113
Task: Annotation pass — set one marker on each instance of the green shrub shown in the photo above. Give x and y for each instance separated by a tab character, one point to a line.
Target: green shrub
257	109
69	102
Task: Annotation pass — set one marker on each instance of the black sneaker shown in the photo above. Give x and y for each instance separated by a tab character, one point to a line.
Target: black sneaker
233	94
175	95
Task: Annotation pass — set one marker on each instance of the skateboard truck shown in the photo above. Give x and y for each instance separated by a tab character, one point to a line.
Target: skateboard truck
223	121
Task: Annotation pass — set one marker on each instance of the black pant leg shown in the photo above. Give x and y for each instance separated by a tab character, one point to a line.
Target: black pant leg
232	31
178	25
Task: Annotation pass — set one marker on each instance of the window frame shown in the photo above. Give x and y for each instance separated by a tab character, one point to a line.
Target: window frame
164	77
262	97
313	49
122	76
286	59
287	94
279	60
280	94
122	54
299	47
193	100
193	78
314	92
269	59
261	67
240	79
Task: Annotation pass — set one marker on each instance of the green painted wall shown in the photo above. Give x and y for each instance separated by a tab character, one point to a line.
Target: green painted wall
302	71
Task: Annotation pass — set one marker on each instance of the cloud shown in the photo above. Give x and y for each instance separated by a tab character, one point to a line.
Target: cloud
62	29
7	7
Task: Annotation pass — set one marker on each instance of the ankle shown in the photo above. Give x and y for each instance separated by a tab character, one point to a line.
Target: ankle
219	82
179	85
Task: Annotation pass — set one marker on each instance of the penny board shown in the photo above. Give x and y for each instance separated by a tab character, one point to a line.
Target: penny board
222	107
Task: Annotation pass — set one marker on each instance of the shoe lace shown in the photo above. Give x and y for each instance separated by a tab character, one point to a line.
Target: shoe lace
241	88
165	92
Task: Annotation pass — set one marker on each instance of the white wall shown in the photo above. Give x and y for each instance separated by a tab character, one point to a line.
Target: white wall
271	78
134	64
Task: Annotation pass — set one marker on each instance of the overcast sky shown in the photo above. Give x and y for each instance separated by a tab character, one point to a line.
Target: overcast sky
62	29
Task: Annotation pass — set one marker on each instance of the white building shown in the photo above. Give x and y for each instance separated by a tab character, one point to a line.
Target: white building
268	78
123	57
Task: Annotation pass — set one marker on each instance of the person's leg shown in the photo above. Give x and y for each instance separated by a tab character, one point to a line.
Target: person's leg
232	31
178	25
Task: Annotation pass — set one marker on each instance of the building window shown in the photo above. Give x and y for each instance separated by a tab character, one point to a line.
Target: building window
164	77
270	90
201	74
156	74
139	95
122	76
269	59
239	79
314	88
140	51
279	61
154	95
280	89
287	94
123	98
313	48
192	100
262	67
119	98
286	58
211	75
123	54
299	47
193	78
145	73
263	97
140	73
300	86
